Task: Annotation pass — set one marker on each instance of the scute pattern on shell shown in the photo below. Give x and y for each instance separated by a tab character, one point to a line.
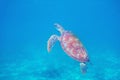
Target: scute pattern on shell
73	47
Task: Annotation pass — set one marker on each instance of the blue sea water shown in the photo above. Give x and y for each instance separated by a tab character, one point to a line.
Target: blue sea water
26	25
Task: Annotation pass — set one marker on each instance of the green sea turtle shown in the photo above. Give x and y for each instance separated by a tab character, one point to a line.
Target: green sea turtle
71	45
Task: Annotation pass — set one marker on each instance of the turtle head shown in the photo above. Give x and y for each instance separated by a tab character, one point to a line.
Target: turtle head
59	28
83	67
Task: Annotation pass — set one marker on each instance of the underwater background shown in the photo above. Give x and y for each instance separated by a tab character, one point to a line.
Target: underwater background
26	25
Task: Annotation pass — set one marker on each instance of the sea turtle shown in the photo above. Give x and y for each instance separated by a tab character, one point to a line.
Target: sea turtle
71	45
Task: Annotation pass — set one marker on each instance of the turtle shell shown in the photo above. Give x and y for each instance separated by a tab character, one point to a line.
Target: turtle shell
73	47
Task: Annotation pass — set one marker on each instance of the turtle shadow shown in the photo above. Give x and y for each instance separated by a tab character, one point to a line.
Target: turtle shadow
48	73
51	73
99	75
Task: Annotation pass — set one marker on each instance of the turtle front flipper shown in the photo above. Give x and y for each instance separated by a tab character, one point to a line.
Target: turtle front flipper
51	42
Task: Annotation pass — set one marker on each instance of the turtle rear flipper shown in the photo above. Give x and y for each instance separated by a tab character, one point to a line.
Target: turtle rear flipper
51	42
